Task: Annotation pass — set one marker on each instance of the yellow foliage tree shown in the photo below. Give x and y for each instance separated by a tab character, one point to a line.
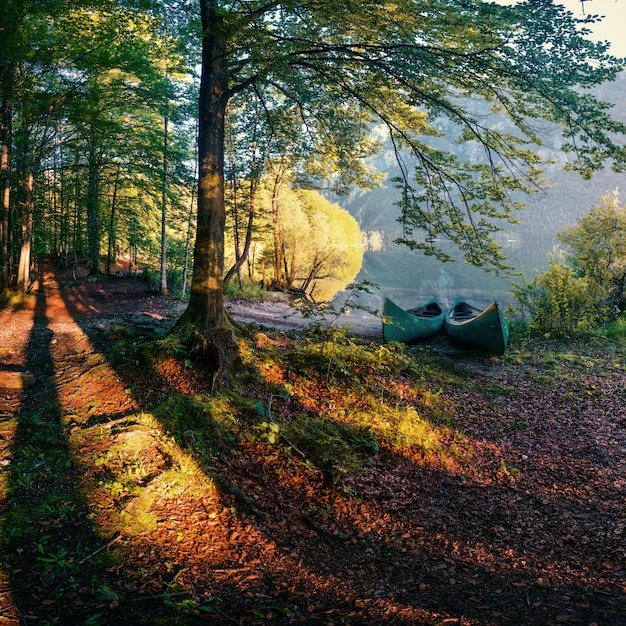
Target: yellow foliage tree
314	247
597	246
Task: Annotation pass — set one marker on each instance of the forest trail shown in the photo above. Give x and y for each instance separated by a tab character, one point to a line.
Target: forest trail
52	379
68	416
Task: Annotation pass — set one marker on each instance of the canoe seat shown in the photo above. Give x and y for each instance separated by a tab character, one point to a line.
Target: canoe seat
431	310
465	315
463	311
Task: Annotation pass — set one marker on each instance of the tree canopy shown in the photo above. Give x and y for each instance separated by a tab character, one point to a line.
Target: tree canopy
342	67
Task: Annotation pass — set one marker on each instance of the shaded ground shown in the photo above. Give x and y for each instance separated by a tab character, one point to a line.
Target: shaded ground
529	529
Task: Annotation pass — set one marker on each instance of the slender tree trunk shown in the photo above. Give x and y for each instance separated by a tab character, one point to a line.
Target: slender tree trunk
280	263
25	182
251	263
77	243
183	289
58	195
190	230
93	209
6	139
164	211
76	234
243	255
289	266
278	257
206	302
27	207
111	233
235	210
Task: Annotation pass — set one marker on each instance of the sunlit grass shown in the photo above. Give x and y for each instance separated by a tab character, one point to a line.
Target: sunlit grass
351	399
253	291
327	405
130	468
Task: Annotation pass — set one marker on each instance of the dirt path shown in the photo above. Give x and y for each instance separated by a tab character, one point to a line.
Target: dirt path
51	380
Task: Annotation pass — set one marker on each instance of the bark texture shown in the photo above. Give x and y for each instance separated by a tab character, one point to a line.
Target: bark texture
205	311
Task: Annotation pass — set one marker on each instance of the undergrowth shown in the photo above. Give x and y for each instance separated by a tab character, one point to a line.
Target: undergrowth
330	401
324	411
337	400
248	291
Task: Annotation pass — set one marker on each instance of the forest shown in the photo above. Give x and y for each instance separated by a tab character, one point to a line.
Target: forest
99	151
191	430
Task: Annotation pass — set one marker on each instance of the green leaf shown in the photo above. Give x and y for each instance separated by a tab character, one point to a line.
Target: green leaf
261	409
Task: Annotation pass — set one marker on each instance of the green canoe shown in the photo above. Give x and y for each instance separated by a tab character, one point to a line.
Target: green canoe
484	330
413	324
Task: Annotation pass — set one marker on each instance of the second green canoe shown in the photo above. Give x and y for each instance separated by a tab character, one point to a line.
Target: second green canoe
484	330
406	325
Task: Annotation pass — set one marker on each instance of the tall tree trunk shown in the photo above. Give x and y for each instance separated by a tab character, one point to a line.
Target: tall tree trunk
57	198
77	243
65	203
183	289
111	233
164	211
206	302
280	267
235	208
205	312
190	230
93	208
243	255
24	194
27	208
6	139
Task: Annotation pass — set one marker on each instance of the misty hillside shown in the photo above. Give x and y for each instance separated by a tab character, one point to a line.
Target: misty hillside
526	245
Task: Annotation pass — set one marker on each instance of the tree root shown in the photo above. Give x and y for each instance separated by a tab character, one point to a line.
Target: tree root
218	348
244	500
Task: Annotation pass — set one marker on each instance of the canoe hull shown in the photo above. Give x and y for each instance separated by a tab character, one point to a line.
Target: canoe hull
414	324
483	330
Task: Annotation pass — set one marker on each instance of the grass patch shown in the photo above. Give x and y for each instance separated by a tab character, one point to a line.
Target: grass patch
252	291
131	468
352	399
203	423
616	330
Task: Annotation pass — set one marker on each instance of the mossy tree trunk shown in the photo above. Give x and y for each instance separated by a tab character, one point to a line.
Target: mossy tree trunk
205	312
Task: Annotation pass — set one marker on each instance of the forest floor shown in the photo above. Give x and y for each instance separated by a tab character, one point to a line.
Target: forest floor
130	494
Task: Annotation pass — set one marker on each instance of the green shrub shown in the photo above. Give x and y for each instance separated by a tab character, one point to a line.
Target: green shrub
559	303
344	358
617	328
151	276
247	291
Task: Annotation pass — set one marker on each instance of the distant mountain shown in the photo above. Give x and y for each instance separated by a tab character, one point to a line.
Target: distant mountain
526	245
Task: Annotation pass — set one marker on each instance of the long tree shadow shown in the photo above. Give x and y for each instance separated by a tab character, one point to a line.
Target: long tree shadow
45	523
431	559
59	563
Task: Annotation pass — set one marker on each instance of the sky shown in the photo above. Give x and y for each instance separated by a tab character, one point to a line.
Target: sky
612	28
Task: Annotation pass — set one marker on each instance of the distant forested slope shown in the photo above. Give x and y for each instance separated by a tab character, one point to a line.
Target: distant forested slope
528	244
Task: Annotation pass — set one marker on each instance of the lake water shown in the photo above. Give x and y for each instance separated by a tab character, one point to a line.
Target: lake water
409	278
